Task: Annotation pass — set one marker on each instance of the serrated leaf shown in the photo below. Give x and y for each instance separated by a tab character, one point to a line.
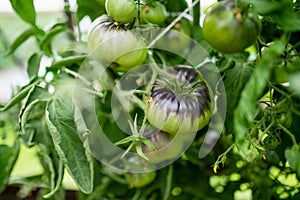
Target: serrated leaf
246	109
33	65
25	9
8	156
20	40
30	119
54	167
60	122
32	109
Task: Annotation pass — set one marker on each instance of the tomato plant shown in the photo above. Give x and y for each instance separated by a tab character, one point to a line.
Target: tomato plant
156	99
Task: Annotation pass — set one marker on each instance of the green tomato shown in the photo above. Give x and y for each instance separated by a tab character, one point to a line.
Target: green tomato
231	26
138	179
168	148
119	47
182	104
123	11
154	13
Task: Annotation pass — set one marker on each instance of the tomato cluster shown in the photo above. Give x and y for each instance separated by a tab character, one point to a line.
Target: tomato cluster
178	103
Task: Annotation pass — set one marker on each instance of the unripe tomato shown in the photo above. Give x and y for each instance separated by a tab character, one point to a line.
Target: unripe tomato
138	179
167	147
182	104
123	11
154	13
231	26
122	48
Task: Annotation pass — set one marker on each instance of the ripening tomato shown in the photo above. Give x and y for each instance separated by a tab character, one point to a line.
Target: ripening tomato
231	26
182	104
121	48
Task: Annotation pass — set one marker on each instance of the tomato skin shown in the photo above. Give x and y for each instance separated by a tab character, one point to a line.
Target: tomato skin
182	105
227	29
123	11
154	13
138	179
121	48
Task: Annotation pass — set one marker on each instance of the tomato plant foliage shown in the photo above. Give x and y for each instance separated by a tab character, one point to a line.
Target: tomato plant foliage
162	133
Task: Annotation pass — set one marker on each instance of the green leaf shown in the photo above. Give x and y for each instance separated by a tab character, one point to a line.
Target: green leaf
282	11
60	122
91	8
253	91
293	157
68	61
34	65
288	19
265	7
234	81
34	131
53	167
20	40
47	39
25	9
33	110
8	157
20	95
